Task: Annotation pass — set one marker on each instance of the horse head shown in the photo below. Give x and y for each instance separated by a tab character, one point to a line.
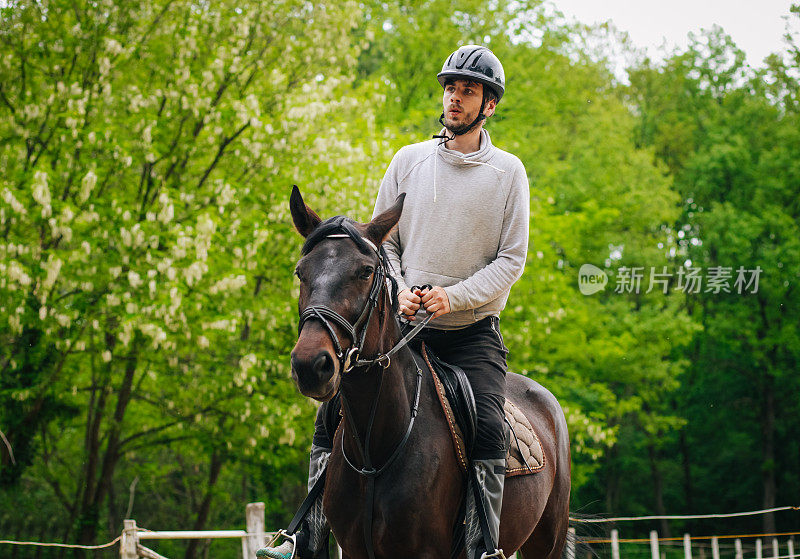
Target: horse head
342	275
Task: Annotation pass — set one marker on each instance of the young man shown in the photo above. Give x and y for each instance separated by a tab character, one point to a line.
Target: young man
464	231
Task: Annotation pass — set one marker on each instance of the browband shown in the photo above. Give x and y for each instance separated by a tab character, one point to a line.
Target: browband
346	236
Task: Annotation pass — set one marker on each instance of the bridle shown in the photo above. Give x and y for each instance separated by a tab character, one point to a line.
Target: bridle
357	332
350	358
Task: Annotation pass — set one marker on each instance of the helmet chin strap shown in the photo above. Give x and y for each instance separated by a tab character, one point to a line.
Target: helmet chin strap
461	131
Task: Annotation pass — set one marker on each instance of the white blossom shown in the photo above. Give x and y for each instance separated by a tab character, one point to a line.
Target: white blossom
41	193
15	321
87	185
195	272
134	279
52	268
9	199
16	273
228	284
155	332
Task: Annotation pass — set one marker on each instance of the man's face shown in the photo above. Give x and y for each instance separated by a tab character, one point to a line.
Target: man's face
461	102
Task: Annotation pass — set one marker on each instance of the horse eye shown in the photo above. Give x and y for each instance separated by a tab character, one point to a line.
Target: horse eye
366	273
296	273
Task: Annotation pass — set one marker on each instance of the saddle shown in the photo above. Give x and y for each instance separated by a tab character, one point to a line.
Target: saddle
525	454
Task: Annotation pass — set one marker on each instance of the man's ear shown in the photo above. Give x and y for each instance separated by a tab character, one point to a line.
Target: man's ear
305	219
488	110
378	229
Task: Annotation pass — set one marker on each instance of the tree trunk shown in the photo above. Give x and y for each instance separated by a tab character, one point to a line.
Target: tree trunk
658	488
687	473
205	505
612	481
97	489
768	461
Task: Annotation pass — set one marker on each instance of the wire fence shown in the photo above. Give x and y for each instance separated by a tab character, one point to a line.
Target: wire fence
738	546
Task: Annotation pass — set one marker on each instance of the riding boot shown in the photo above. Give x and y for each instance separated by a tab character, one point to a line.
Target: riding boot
491	476
312	536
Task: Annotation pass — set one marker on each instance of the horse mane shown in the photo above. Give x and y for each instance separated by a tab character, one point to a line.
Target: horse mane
343	224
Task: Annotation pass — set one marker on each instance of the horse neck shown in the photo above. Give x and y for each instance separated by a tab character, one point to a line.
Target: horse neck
393	387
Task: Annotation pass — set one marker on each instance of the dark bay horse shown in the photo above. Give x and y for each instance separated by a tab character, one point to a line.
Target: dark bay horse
417	498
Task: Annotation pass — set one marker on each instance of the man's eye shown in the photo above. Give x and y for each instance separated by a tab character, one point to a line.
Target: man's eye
468	91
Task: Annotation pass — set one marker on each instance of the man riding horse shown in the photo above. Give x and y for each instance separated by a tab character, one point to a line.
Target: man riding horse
463	235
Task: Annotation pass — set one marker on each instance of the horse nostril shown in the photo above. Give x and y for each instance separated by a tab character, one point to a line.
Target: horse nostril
323	363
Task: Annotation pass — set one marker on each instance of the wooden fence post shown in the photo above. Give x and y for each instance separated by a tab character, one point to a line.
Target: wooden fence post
570	543
775	548
714	548
614	544
130	540
687	547
739	554
790	545
254	521
654	554
758	549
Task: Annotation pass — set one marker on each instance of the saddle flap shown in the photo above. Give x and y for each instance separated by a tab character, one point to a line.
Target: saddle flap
458	393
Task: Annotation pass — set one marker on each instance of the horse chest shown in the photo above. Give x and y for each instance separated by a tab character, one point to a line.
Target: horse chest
413	501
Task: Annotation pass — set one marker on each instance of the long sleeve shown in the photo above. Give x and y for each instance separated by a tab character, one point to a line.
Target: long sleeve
497	277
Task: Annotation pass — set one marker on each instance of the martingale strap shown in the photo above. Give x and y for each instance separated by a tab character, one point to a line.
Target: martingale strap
368	470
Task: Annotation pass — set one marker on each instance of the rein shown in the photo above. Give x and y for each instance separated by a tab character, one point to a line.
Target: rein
349	360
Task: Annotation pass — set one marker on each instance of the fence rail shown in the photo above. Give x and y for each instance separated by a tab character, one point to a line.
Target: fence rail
758	546
252	539
761	548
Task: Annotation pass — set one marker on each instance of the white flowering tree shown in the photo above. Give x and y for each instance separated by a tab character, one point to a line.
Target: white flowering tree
146	155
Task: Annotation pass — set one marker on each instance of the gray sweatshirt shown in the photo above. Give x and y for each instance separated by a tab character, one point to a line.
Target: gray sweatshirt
464	225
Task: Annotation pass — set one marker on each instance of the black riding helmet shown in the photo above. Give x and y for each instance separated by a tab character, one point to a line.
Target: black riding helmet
477	63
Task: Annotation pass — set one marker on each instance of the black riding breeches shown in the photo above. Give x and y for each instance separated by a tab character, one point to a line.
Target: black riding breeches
479	350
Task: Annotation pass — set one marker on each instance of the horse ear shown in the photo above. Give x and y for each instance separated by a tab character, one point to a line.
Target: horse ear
378	229
305	219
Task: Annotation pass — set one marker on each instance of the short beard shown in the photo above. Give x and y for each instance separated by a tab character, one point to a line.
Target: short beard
457	129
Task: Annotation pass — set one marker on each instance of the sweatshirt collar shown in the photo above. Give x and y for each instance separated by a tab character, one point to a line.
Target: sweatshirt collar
483	155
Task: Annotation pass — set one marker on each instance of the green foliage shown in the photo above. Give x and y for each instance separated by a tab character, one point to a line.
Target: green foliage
147	306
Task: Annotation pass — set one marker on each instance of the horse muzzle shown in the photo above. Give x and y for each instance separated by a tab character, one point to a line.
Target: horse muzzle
316	375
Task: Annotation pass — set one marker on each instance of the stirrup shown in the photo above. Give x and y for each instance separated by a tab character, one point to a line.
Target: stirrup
498	553
291	537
